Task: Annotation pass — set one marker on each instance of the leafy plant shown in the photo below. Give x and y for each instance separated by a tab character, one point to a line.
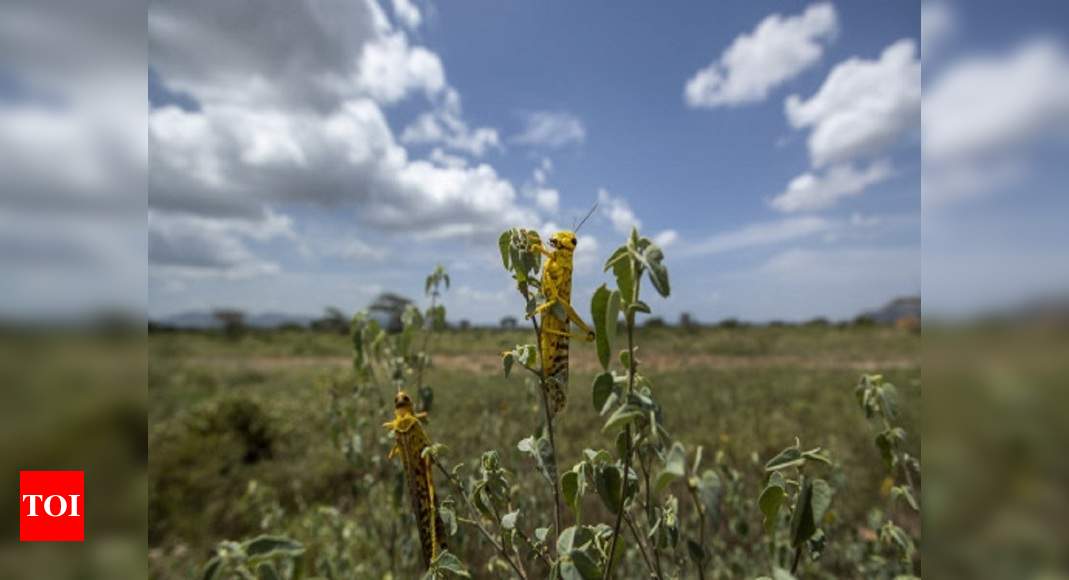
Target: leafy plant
628	499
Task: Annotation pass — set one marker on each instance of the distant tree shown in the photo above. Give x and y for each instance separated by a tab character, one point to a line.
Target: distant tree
333	320
777	323
819	322
655	322
509	323
729	323
686	321
387	310
465	324
864	320
233	322
155	326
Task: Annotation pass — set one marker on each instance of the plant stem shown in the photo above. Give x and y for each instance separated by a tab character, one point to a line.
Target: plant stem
797	559
552	439
530	544
475	512
649	515
426	339
630	319
701	531
641	548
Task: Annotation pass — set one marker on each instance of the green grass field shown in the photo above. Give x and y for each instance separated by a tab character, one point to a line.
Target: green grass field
223	412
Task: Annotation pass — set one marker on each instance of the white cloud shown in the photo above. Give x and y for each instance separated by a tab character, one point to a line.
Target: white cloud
760	234
191	246
944	185
541	173
72	222
937	25
407	13
547	199
267	134
586	253
359	250
778	50
988	104
799	284
618	212
551	129
278	51
390	69
666	238
863	107
446	160
981	115
446	125
814	191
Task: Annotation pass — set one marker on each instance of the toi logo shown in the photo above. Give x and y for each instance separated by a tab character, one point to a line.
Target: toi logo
51	506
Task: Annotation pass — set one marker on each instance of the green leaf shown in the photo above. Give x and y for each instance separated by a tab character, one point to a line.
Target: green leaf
448	562
902	492
266	571
789	457
503	243
449	518
579	566
569	484
624	415
821	500
541	534
211	569
654	260
598	305
817	454
264	546
802	526
527	445
888	400
611	319
675	467
573	539
639	306
625	280
608	481
617	255
603	387
771	500
508	521
507	361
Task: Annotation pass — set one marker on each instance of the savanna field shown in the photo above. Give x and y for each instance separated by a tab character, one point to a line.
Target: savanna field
267	433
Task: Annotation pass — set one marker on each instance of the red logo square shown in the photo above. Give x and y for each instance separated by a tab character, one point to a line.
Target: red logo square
51	506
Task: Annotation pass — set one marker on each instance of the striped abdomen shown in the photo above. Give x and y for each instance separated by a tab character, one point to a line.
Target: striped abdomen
556	330
421	490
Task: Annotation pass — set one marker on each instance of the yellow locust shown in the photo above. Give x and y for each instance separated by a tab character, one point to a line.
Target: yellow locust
411	441
556	315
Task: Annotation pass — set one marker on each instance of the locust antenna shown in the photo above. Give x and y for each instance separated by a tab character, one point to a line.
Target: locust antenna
588	214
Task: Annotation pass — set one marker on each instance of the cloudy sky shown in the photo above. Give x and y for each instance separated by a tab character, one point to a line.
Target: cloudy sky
307	154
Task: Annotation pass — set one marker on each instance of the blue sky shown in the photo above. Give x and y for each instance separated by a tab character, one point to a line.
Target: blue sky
302	154
535	111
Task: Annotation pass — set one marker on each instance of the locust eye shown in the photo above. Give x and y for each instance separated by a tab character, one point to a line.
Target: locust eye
574	241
